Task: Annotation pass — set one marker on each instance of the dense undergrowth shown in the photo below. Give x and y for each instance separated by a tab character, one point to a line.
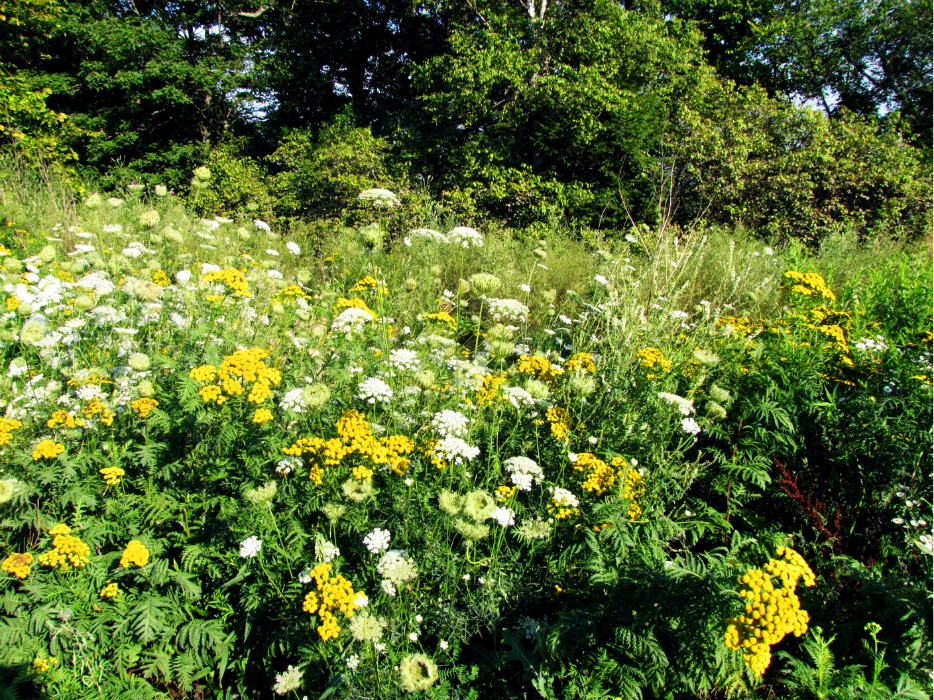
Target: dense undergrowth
385	462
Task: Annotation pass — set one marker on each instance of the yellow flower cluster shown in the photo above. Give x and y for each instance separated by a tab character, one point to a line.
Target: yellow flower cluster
633	490
135	553
354	437
262	415
581	361
293	290
111	590
343	303
95	407
489	389
7	426
12	303
653	356
242	366
600	477
836	335
539	367
809	284
40	666
204	373
234	280
68	552
364	284
160	278
771	611
17	564
559	419
504	492
740	327
444	317
63	418
562	510
112	475
47	449
333	594
144	406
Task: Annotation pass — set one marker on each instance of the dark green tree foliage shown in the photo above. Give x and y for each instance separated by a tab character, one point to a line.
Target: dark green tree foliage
871	58
325	56
164	82
557	111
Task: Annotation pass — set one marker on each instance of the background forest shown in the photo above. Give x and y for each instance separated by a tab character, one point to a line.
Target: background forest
590	113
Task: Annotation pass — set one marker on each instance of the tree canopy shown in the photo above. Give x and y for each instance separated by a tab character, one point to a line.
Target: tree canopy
601	112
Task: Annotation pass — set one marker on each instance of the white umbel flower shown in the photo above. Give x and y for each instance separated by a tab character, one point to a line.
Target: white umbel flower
374	390
379	197
351	321
250	547
377	541
450	423
405	359
455	451
465	237
506	517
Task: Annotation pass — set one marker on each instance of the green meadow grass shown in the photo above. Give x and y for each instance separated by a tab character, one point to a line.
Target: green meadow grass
378	463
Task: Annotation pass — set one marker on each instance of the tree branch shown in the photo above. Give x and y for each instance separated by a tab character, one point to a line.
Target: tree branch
255	14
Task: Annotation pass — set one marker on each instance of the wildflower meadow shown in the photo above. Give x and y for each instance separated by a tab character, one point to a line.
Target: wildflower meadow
407	457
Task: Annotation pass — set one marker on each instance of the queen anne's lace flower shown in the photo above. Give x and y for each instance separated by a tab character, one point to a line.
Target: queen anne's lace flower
429	235
450	423
402	358
690	426
374	390
455	451
377	541
351	321
293	401
508	310
397	566
250	547
686	406
504	516
524	472
465	237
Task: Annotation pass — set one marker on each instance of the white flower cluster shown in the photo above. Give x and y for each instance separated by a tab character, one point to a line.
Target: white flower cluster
517	396
564	498
454	450
686	406
450	423
377	541
288	464
379	197
397	567
508	310
876	344
292	401
690	426
350	321
136	249
428	234
404	359
524	472
529	626
250	547
326	551
374	390
465	237
506	517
